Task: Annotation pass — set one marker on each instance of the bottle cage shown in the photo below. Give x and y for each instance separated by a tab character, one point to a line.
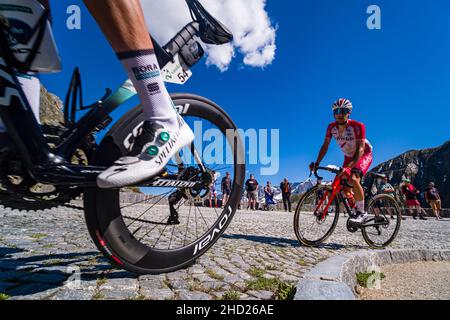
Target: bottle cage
211	30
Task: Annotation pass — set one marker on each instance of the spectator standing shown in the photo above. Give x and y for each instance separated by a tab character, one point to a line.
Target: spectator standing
213	194
412	203
251	186
386	188
268	195
433	199
226	188
286	190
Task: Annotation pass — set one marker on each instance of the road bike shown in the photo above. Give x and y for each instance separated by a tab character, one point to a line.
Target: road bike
156	226
318	211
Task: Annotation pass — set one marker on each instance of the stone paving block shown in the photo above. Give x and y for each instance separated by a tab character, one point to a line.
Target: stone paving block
157	294
120	284
6	285
323	290
193	295
405	256
261	294
118	294
68	294
50	278
327	270
32	291
152	284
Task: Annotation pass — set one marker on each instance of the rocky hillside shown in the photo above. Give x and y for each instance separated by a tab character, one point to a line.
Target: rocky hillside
51	108
422	166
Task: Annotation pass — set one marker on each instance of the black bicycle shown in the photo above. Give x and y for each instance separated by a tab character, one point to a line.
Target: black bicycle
318	211
156	226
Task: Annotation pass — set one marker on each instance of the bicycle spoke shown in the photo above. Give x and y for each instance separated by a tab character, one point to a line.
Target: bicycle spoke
187	225
162	197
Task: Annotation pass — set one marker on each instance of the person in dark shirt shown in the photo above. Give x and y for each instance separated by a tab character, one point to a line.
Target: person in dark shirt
226	188
286	190
434	200
251	186
412	203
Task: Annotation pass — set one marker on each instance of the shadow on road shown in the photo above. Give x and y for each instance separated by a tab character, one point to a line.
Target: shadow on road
284	242
24	276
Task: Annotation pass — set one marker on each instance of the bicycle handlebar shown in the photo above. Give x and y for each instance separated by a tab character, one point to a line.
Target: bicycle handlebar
336	171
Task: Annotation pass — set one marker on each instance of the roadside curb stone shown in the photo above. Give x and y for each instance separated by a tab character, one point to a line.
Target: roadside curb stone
335	278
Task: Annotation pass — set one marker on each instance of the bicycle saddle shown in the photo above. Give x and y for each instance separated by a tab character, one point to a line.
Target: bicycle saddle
212	31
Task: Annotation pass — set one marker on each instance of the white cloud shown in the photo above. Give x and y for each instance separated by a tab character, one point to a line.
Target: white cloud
254	34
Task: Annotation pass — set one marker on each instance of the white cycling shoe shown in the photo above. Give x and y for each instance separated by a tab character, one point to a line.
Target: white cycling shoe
152	150
361	218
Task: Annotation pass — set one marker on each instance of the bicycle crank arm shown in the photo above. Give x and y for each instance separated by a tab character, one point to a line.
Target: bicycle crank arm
376	224
65	174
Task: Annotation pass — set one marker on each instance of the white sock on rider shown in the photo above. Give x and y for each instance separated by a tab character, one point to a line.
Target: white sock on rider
32	89
360	206
144	72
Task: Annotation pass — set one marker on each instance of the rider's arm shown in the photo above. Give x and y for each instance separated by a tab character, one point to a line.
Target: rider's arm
323	150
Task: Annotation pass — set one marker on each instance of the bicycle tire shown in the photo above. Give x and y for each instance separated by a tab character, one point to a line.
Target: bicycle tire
102	212
398	219
298	211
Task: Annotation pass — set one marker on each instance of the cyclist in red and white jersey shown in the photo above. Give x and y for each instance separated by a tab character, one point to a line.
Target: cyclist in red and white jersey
351	137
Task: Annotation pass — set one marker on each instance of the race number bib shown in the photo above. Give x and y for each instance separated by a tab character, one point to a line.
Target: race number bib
173	72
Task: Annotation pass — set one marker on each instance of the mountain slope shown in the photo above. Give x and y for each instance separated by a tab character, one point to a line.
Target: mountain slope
421	166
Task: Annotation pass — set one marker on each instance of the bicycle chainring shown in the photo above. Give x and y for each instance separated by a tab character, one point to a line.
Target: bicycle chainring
18	190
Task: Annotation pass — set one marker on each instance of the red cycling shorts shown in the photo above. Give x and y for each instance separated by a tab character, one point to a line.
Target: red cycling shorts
363	164
412	203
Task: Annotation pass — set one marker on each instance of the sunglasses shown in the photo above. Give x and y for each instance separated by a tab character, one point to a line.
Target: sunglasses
343	111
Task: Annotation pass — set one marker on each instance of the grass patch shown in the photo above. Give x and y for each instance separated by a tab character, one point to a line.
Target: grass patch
53	262
271	267
213	274
256	272
230	295
38	236
196	286
98	296
365	278
4	296
281	290
48	246
285	291
101	281
302	262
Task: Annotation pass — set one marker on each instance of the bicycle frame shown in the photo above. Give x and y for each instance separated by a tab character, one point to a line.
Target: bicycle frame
336	188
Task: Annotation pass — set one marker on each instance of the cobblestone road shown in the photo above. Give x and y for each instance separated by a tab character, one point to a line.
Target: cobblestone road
253	260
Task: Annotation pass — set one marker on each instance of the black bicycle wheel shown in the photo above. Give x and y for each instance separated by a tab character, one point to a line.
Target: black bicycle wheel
136	234
384	210
309	227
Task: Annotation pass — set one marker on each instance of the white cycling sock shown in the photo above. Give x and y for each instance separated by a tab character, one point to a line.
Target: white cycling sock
360	206
143	70
32	89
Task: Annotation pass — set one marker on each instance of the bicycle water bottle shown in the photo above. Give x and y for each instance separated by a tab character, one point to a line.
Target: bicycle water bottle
350	200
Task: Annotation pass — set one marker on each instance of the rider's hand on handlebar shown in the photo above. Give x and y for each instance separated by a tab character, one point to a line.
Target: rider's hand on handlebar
346	172
313	166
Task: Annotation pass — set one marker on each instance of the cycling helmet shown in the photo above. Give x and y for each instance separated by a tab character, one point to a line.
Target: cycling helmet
342	103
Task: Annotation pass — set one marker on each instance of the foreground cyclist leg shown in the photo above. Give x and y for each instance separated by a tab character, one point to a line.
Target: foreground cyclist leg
164	132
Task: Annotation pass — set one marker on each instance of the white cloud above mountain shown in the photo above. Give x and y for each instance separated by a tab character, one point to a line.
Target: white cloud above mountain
248	20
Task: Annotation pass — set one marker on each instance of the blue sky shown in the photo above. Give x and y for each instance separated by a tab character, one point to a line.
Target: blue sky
398	78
